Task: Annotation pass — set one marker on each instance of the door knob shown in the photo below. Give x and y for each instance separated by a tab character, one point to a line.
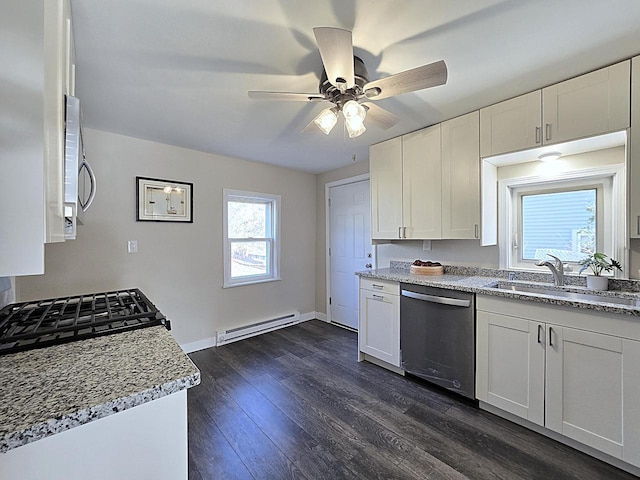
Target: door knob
368	265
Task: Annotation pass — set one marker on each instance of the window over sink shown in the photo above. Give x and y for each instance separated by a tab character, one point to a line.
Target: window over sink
251	237
566	213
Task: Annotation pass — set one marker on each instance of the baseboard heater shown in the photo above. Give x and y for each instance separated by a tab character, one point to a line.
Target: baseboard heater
240	333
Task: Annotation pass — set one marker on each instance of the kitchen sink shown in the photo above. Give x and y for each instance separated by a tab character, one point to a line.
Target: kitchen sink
570	295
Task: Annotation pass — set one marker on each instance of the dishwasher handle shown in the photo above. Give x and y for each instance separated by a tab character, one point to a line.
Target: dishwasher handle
456	302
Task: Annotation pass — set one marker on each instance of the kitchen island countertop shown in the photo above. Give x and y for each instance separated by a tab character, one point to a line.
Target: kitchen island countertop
49	390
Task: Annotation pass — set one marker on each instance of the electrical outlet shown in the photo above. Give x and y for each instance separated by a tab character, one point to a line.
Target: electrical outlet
426	245
132	246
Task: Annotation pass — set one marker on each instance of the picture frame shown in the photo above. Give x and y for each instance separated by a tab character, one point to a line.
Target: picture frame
159	200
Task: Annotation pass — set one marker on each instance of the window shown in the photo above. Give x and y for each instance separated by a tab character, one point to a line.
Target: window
251	237
568	215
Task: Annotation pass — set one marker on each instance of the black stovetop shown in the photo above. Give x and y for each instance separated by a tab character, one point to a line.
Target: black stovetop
42	323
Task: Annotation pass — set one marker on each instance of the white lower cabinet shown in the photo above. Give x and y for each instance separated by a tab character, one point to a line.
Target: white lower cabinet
547	365
379	323
510	365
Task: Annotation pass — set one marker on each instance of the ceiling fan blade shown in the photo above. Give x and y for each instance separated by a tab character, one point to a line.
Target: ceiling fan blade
336	50
287	96
412	80
381	117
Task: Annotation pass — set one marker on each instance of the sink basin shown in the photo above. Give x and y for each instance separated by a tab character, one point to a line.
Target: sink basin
569	295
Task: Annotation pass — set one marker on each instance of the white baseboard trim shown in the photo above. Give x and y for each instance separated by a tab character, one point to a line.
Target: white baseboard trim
304	317
321	316
198	345
211	342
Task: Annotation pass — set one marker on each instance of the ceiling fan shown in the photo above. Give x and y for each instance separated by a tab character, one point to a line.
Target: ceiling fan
345	83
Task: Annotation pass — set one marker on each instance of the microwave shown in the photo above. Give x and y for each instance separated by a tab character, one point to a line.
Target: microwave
79	179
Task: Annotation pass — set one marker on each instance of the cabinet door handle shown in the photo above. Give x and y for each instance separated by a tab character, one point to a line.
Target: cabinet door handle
539	332
404	232
547	129
378	297
638	225
399	232
538	139
477	230
550	337
380	287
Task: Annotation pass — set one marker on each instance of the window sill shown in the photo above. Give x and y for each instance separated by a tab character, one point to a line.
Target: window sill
250	282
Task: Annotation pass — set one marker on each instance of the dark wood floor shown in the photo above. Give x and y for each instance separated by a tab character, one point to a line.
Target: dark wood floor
295	403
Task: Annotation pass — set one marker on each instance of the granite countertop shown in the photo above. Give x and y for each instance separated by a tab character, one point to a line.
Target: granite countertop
485	281
49	390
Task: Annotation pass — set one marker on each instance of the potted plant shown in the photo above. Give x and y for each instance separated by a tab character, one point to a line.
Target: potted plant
599	263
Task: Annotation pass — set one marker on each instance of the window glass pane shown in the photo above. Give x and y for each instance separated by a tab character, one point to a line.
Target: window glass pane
247	220
249	259
562	224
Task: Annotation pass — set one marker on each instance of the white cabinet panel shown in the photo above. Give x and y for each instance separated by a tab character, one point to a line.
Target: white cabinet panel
585	387
510	365
634	152
461	177
588	105
630	400
511	125
421	184
385	165
379	328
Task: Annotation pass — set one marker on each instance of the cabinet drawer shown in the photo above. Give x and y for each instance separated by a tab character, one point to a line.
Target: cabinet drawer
384	286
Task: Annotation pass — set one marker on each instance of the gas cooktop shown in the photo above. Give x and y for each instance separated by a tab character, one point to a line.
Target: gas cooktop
42	323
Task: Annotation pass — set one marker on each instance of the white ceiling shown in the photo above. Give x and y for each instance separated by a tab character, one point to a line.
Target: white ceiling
178	71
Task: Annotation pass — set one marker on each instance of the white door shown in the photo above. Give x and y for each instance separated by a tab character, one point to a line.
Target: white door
350	248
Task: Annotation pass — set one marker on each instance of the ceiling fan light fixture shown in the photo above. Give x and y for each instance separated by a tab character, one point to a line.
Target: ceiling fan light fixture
327	119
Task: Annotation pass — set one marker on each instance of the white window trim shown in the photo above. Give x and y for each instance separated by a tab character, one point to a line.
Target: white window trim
228	282
615	240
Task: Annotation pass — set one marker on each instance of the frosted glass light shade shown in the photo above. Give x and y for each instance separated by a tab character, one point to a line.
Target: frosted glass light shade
353	109
355	127
326	120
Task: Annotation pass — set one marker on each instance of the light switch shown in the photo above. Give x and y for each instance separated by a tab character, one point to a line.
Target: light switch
132	246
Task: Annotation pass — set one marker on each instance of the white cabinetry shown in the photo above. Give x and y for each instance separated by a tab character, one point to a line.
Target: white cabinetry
588	105
379	325
634	152
511	125
430	181
421	186
573	372
510	364
405	186
461	177
385	165
31	142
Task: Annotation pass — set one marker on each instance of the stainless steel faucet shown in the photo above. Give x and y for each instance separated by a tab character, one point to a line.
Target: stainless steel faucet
557	269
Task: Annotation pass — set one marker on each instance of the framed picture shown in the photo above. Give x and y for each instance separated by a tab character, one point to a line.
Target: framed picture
163	200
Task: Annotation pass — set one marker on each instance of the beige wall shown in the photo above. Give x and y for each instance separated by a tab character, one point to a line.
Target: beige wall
179	266
322	179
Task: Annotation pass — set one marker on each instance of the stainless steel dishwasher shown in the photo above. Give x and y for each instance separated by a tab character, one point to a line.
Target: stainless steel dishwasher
437	336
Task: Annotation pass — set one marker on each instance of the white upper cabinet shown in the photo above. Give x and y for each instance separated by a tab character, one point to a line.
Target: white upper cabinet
634	152
588	105
585	106
461	177
58	71
385	165
32	145
406	185
426	184
511	125
421	184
